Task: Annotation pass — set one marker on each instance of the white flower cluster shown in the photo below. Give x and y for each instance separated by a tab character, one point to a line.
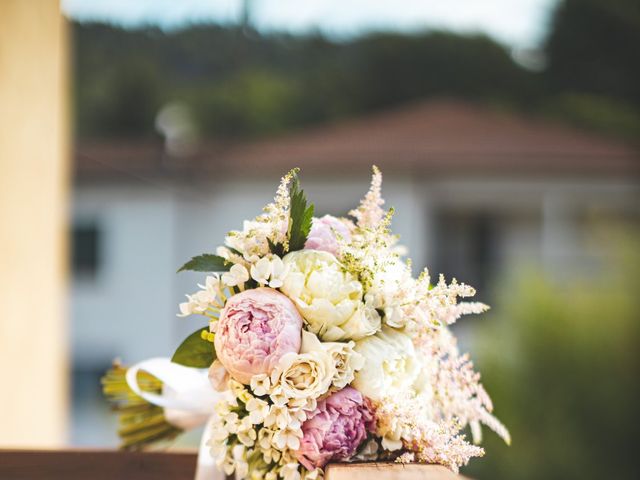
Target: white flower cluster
269	271
253	439
259	428
208	301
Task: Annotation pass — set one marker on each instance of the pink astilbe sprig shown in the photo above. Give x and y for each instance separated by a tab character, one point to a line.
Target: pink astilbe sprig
443	306
372	248
457	391
405	422
370	211
444	445
416	305
252	242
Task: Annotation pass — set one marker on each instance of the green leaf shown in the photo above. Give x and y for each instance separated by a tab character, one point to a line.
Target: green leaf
301	215
206	262
233	250
276	248
195	352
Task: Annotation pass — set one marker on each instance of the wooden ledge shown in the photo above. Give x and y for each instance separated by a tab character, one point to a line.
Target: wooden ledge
96	465
112	464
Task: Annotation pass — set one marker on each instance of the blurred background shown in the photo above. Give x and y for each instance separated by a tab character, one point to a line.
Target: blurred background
508	132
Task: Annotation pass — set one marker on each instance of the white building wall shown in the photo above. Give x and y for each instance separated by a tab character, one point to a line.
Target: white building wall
127	310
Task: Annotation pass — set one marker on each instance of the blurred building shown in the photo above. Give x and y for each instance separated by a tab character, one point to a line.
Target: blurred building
478	192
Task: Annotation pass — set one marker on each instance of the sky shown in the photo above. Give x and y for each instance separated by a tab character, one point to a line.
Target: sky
519	23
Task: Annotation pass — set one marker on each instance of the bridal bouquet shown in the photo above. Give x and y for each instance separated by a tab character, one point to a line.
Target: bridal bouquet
321	347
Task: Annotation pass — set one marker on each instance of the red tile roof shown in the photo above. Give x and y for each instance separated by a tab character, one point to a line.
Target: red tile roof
433	137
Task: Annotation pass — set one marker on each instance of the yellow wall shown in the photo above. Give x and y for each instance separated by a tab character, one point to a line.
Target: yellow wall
34	189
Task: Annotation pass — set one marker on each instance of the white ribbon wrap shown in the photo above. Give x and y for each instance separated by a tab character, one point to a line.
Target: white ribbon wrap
188	400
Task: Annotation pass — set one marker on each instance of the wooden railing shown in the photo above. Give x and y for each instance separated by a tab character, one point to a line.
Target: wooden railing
115	465
95	465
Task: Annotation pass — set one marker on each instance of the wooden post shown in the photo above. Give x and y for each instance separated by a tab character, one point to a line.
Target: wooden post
34	185
388	471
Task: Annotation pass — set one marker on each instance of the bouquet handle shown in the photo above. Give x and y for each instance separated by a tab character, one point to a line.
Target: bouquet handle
187	399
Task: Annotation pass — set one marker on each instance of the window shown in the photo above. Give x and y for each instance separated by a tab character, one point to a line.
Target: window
466	243
85	253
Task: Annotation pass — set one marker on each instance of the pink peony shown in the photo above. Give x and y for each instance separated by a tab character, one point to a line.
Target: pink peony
256	328
323	234
335	430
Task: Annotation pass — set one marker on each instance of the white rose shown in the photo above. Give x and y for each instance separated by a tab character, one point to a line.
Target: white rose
390	365
302	376
328	297
345	359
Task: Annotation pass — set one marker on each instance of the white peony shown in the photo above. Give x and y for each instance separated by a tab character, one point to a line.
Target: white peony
392	291
390	365
328	297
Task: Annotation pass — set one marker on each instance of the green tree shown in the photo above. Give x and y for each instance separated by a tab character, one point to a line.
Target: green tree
562	365
593	75
249	85
593	48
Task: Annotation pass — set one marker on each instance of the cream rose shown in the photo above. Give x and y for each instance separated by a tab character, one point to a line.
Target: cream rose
345	359
304	376
328	297
390	365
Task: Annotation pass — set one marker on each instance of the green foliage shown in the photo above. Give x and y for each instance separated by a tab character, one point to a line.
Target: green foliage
195	352
562	364
206	262
246	86
241	85
596	112
276	248
300	217
593	48
249	103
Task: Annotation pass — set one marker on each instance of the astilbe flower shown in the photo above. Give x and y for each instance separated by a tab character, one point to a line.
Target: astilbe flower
372	247
405	422
415	304
252	242
256	328
443	305
335	430
370	211
458	393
